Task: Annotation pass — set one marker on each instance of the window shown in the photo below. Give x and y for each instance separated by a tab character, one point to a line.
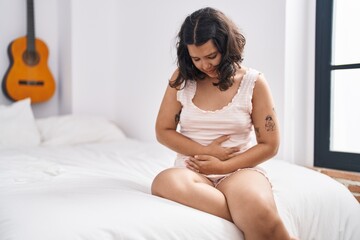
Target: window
337	85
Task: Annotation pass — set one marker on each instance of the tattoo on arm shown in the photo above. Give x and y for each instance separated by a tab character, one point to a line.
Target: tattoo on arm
177	117
269	123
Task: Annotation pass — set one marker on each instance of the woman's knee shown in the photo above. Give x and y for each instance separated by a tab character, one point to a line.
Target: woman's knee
166	182
252	205
259	210
249	196
258	203
159	183
265	217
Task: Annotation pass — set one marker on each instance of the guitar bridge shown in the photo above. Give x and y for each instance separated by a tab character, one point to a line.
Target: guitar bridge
31	82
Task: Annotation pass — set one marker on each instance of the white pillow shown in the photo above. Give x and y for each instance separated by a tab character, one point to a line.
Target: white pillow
76	129
17	125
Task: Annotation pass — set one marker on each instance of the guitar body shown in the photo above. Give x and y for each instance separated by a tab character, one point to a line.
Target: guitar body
28	74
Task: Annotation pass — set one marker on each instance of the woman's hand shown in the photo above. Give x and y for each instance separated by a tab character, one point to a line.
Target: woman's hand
205	164
222	153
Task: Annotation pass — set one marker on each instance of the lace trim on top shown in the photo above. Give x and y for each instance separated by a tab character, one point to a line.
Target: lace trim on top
233	100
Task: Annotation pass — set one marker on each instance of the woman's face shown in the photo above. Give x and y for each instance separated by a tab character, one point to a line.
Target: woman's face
206	58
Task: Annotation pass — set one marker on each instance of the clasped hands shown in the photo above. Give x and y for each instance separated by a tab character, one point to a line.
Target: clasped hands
213	161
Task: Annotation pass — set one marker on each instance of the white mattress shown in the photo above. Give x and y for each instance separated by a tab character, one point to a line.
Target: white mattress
102	191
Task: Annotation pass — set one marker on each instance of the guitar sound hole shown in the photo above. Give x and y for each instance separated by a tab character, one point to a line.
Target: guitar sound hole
31	82
31	58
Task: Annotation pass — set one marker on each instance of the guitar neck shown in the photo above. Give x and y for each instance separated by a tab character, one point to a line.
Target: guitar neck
30	26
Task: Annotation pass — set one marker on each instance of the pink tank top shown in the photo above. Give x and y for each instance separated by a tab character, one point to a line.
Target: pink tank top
234	119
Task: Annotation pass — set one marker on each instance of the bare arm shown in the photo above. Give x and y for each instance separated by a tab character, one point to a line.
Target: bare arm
266	128
166	124
267	135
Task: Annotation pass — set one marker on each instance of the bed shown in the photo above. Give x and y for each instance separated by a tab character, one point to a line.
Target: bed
80	178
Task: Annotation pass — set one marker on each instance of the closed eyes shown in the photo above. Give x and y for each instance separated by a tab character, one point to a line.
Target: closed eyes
209	57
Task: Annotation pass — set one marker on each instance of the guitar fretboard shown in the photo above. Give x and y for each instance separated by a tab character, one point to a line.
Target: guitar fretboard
30	26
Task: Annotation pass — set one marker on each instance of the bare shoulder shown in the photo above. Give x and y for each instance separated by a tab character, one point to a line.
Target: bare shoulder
262	96
174	75
171	92
261	85
260	80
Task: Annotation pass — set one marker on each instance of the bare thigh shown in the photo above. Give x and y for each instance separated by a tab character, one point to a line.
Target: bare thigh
251	204
191	189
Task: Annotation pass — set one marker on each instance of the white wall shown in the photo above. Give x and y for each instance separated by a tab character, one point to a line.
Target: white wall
130	53
114	57
13	25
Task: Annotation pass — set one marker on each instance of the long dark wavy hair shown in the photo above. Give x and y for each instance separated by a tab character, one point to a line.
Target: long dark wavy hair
199	27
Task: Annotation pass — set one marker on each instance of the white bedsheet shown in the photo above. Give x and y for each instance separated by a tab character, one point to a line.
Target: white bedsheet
101	191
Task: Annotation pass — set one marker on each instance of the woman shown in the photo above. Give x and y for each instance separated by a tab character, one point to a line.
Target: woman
218	102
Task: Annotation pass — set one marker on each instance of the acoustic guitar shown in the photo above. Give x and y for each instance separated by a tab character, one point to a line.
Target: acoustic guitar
28	75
